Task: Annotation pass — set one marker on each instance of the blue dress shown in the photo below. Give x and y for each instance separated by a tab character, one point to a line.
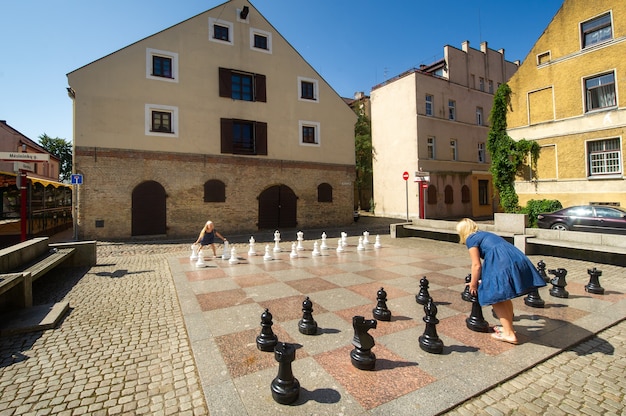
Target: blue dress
208	238
506	272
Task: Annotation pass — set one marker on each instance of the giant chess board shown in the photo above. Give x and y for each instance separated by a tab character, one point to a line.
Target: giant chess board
223	301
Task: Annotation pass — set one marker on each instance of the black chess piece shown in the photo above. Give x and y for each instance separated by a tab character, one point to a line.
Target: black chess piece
285	387
558	283
423	295
430	341
266	340
594	282
533	299
476	321
362	356
381	312
541	269
307	324
466	295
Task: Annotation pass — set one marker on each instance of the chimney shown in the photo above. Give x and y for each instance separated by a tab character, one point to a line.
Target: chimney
465	46
483	47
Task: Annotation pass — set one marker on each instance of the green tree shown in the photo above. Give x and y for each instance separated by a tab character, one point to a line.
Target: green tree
364	152
508	156
61	149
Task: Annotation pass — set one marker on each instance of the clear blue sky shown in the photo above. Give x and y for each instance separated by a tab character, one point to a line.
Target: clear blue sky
353	45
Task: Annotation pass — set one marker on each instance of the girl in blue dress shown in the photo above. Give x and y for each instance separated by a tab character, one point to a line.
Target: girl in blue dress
504	273
207	237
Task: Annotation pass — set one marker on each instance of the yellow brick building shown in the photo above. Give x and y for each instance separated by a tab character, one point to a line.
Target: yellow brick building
566	97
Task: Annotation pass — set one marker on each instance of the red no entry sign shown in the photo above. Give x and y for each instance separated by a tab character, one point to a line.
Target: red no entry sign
405	176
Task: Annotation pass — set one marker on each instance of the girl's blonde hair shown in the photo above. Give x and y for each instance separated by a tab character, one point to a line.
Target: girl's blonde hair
465	228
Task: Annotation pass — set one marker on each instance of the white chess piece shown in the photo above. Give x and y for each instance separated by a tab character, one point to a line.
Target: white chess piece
226	254
344	239
268	255
360	246
252	251
233	256
294	252
200	262
366	240
339	246
324	246
377	243
276	241
315	252
300	235
194	252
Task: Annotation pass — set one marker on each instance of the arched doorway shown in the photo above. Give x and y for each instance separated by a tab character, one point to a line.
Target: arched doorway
277	208
148	209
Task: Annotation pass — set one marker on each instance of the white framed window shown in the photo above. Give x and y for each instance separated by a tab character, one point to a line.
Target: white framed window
308	89
481	152
260	40
221	31
596	30
453	150
431	147
309	133
429	104
604	157
490	83
161	65
479	116
600	92
481	83
161	120
451	110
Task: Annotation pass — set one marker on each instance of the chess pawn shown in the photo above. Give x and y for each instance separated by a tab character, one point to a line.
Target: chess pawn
324	246
251	250
541	269
366	235
226	254
268	254
430	341
300	235
294	252
276	241
533	299
558	283
594	282
377	243
316	251
194	252
476	321
362	356
423	295
360	246
381	312
266	340
307	324
466	295
339	246
200	262
233	257
344	239
285	387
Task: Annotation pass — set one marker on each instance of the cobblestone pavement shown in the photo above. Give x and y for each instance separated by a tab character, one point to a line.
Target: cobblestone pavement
123	349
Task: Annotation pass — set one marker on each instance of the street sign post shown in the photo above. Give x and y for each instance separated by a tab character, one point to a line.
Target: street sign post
405	176
77	179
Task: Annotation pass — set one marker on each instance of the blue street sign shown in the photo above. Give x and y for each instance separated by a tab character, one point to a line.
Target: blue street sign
77	179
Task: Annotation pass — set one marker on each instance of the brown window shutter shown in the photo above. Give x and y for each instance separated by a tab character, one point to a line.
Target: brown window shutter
225	83
226	134
259	86
260	137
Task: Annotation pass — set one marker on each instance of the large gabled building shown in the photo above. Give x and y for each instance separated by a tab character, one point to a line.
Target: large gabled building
217	117
566	96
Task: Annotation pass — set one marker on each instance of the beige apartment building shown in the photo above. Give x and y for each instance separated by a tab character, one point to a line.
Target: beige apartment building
217	117
432	123
566	96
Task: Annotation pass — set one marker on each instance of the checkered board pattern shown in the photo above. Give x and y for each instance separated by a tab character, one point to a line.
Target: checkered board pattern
228	300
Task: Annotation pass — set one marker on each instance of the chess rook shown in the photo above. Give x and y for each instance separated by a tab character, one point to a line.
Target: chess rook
285	387
594	282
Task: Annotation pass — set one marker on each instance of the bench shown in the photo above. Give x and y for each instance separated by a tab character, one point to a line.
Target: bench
24	283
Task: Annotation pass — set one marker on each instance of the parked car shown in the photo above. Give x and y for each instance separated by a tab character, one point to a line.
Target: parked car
595	218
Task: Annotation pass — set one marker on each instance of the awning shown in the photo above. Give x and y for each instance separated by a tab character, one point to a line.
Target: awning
46	182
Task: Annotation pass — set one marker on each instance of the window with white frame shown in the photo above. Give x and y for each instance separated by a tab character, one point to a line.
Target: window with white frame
431	147
479	116
453	149
451	110
596	30
490	86
429	104
481	152
309	133
308	89
604	157
161	65
220	31
600	92
481	83
260	40
161	120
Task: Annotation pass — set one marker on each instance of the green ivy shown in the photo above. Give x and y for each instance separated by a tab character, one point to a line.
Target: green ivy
508	157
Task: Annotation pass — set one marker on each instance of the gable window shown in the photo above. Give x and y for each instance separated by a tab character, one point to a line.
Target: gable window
543	58
161	120
161	65
260	40
214	191
220	31
243	137
600	92
431	147
604	157
451	110
429	105
453	150
309	133
479	116
481	152
240	85
483	192
307	89
448	195
596	30
324	193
